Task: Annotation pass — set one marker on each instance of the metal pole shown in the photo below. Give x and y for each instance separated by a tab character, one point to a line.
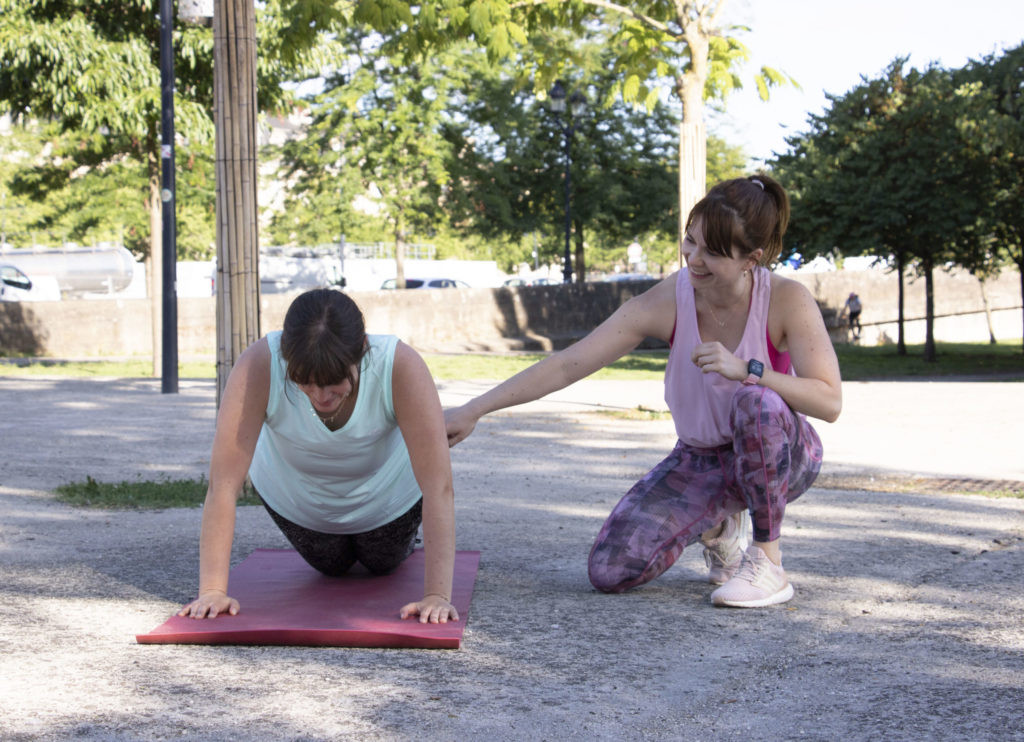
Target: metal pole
567	267
169	367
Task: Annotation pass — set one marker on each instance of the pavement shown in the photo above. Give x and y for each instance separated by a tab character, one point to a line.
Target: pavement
906	624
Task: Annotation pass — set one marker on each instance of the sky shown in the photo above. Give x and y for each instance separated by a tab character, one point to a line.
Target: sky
827	45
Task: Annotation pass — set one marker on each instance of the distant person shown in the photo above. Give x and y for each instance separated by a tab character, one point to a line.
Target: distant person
342	434
750	357
853	306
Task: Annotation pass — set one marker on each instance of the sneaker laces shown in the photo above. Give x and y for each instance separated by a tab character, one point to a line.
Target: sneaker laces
713	557
749	569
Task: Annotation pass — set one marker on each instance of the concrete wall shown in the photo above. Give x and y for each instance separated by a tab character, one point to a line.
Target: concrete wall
537	317
959	308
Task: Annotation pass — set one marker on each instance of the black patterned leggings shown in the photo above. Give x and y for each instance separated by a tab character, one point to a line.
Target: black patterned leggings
380	550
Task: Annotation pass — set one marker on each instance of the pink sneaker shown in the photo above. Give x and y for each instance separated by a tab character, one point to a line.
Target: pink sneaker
724	552
757	583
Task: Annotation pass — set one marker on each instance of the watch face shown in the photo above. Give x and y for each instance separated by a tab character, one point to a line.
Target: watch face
755	367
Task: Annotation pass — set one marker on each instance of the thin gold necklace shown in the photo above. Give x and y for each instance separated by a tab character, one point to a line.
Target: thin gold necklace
712	310
720	323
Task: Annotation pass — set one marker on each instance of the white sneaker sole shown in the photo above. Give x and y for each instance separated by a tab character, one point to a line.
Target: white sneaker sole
782	596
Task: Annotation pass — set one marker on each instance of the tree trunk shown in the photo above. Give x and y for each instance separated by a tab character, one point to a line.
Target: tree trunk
697	21
238	301
155	262
1020	272
901	341
692	172
399	256
988	312
580	264
929	310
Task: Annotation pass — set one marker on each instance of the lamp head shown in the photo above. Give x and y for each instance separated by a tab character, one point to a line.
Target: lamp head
557	96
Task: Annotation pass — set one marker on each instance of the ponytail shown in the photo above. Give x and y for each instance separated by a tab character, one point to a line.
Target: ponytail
746	214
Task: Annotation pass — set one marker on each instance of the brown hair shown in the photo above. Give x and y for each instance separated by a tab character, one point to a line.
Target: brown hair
324	336
745	214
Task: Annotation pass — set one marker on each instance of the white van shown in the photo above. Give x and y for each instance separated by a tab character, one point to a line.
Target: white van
16	286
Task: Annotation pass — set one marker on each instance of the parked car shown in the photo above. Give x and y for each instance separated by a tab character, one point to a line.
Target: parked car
16	286
427	283
616	277
513	282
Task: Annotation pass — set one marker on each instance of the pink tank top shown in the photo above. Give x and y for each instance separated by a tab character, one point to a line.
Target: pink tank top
699	402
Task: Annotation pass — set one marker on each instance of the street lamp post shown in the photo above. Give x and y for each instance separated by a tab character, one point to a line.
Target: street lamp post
577	102
169	238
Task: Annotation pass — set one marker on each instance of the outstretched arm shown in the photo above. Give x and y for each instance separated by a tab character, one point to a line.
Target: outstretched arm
421	420
239	420
652	314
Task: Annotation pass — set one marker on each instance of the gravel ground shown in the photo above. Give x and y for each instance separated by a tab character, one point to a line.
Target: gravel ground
905	625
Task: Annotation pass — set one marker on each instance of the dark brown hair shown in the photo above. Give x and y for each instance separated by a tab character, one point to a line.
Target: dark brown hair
745	214
324	336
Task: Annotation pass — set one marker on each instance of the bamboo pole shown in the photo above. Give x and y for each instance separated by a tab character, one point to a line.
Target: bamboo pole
234	47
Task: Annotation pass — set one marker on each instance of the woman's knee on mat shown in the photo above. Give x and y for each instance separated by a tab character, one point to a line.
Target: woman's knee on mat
383	562
331	565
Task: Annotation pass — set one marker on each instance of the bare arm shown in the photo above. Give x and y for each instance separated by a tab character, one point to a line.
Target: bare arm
238	427
421	420
816	390
652	314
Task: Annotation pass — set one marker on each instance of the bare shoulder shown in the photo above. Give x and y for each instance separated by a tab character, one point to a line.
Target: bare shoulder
663	291
249	381
257	353
655	313
254	363
409	364
790	295
406	357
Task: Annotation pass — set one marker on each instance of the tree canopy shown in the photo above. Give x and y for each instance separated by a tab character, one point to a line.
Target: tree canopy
92	69
914	166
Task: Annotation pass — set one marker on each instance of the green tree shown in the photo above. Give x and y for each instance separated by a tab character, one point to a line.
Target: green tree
999	140
93	69
508	171
19	214
890	168
80	193
655	46
376	128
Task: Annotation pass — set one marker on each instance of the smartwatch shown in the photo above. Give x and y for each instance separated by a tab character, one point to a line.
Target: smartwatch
755	369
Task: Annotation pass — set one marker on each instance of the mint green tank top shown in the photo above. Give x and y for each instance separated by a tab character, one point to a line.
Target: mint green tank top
349	480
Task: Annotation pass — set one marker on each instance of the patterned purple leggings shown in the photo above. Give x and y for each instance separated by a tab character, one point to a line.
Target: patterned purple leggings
774	458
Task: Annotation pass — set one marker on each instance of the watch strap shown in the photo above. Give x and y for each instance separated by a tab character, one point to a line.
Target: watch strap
755	369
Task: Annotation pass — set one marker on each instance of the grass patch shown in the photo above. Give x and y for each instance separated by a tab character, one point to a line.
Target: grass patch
859	363
134	369
635	366
142	495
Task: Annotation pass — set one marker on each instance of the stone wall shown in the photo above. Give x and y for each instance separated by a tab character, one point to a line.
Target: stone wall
532	318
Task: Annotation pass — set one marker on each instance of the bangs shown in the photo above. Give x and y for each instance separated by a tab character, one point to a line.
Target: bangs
320	366
720	224
324	336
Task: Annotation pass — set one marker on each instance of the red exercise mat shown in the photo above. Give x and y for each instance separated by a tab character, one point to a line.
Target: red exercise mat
285	601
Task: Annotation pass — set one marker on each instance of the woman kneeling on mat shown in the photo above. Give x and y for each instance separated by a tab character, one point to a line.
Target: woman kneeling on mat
750	357
342	434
